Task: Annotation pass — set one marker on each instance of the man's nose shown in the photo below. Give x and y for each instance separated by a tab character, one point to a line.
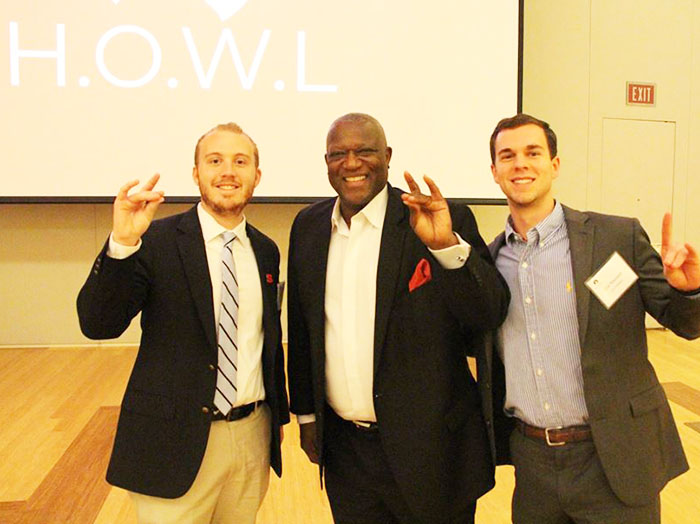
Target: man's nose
520	161
229	167
352	161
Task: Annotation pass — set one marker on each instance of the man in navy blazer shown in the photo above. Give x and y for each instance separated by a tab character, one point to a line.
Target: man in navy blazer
181	456
387	292
595	439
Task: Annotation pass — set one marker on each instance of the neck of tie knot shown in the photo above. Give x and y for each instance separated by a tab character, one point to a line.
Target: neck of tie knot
228	237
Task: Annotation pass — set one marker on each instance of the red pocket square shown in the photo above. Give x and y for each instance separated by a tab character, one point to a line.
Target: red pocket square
420	276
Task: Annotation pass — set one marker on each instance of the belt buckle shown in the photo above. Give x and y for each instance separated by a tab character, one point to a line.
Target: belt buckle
549	441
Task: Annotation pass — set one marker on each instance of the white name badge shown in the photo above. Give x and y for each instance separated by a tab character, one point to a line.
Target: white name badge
611	281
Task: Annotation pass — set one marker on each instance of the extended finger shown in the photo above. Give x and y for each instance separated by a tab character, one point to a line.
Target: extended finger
412	185
434	190
145	196
416	199
666	232
151	183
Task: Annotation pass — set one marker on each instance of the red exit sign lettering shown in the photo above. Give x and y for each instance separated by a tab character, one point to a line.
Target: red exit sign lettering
641	94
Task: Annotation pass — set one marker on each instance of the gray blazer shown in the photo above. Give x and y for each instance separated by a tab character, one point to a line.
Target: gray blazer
633	429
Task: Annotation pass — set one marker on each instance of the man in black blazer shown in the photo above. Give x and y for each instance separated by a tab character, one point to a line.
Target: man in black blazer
187	448
596	441
385	297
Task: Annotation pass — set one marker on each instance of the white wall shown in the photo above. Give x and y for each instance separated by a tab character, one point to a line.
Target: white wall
577	58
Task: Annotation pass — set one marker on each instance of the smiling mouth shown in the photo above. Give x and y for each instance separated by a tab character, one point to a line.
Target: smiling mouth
522	181
227	187
358	178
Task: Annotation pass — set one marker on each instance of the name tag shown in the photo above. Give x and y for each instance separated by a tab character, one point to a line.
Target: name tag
611	281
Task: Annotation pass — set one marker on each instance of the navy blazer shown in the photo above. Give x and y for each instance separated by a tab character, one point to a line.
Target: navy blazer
437	439
167	407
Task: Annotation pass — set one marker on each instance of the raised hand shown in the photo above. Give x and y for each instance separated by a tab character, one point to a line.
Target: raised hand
681	261
132	214
430	216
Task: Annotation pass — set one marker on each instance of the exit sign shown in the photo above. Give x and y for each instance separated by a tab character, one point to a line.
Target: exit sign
641	94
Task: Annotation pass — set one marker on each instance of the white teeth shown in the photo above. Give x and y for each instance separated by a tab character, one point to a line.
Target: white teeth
522	181
355	178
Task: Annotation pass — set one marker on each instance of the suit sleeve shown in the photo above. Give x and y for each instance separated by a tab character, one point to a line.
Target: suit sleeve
476	293
671	308
113	295
299	368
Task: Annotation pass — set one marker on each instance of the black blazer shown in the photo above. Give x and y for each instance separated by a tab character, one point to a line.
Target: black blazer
434	433
633	428
166	411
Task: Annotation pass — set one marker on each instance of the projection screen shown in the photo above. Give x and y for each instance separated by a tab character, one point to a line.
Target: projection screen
98	92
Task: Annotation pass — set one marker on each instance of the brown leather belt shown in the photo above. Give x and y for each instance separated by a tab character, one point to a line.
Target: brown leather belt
557	436
236	413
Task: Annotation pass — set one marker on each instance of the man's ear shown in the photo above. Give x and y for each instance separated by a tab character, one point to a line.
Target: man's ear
555	166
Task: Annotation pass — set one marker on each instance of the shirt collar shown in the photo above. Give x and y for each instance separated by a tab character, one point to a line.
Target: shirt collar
373	212
212	229
542	231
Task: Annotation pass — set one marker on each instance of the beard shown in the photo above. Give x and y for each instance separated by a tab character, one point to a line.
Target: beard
225	206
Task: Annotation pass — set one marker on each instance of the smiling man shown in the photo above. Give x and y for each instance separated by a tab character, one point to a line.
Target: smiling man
386	293
200	423
595	439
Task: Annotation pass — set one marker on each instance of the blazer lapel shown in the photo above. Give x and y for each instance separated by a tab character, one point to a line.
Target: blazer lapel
581	236
194	260
390	255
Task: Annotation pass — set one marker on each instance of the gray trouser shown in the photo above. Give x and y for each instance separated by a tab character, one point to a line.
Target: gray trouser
567	484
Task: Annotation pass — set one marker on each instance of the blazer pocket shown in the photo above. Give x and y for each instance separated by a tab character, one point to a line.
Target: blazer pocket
647	401
148	404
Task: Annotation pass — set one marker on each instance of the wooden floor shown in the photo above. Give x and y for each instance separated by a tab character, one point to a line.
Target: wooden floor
60	405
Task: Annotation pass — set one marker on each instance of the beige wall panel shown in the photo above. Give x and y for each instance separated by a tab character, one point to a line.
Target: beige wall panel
43	250
640	41
556	84
631	149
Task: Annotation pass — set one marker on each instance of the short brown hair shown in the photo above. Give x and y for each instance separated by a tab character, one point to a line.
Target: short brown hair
233	128
519	120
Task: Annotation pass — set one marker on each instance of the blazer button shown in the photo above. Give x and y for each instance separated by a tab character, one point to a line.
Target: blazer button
205	410
212	367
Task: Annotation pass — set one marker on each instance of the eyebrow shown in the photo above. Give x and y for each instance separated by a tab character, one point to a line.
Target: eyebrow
529	147
217	153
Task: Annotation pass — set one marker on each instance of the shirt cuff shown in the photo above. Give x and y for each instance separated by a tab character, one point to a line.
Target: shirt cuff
306	419
453	257
120	251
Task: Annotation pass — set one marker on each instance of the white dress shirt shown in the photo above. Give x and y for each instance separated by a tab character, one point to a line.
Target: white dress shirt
249	378
351	289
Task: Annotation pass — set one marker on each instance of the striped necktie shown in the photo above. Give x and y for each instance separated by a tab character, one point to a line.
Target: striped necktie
226	388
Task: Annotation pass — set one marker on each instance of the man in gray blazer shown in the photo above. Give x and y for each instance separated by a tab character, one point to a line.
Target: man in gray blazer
595	439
